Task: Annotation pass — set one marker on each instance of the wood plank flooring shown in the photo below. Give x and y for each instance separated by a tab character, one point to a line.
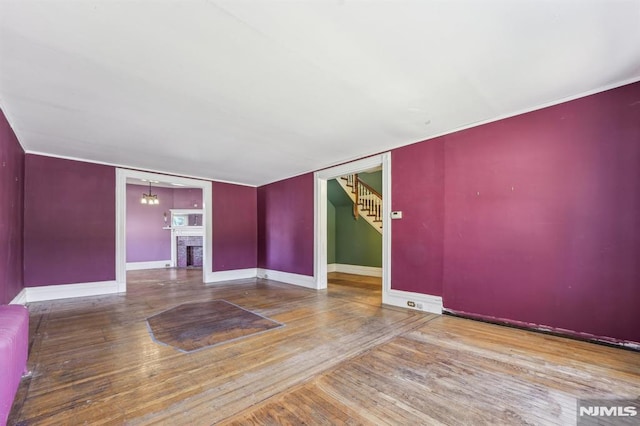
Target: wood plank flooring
194	326
341	358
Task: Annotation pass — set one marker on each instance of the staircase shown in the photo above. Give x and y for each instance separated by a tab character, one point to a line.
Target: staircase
367	202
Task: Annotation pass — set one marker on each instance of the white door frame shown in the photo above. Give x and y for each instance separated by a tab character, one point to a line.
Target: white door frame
320	216
121	219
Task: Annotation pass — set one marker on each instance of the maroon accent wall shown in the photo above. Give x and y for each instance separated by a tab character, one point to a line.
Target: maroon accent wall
417	239
146	240
285	225
235	226
11	212
69	222
541	217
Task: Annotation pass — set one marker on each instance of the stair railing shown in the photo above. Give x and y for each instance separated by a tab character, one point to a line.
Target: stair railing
368	198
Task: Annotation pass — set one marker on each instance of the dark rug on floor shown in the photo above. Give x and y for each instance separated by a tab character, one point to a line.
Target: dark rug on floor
192	326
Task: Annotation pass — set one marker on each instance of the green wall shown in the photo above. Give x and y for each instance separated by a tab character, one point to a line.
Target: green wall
331	233
357	243
351	241
374	180
336	194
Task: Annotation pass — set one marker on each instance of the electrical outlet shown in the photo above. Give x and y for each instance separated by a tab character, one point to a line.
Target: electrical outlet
411	304
419	306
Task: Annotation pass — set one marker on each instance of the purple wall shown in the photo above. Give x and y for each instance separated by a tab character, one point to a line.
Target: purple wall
235	226
69	222
541	217
187	198
417	239
11	212
285	225
146	240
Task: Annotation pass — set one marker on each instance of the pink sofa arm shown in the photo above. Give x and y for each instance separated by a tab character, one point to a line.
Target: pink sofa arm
14	344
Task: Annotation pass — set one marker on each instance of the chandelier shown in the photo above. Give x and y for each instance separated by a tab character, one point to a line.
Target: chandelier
149	198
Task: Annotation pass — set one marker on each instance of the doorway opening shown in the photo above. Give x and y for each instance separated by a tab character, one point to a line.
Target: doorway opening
199	206
354	235
379	162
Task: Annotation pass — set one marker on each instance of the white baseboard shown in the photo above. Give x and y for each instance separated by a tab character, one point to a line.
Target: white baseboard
20	299
289	278
64	291
420	302
155	264
235	274
370	271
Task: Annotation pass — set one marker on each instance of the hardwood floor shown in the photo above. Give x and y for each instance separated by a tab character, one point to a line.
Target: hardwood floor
194	326
341	358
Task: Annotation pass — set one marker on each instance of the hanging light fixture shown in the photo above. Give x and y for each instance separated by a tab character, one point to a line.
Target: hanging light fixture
149	198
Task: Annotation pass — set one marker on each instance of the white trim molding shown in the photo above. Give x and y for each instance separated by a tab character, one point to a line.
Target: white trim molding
235	274
154	264
64	291
20	299
411	300
369	271
289	278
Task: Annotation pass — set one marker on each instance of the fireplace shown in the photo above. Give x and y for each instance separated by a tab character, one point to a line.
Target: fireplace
189	251
194	256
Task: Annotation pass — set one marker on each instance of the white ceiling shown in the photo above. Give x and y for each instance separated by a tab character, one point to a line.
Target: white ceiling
256	91
155	183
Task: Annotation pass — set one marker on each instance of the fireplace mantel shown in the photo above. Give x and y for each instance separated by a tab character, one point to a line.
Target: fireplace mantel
183	231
